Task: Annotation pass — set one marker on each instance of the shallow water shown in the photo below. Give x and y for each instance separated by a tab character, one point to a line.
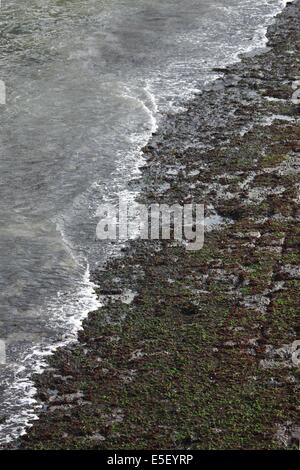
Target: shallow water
87	82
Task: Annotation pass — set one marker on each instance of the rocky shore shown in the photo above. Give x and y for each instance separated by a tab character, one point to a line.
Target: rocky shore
198	350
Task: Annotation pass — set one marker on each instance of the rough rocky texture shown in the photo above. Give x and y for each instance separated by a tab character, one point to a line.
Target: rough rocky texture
203	356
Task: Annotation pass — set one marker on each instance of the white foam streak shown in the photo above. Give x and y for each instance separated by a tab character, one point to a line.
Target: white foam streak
22	390
69	313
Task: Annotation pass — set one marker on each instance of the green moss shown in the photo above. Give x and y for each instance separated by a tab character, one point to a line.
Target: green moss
272	160
180	368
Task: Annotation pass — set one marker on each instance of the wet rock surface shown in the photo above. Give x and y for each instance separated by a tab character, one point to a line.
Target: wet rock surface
202	353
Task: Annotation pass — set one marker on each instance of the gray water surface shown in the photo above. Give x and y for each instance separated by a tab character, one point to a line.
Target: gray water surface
87	82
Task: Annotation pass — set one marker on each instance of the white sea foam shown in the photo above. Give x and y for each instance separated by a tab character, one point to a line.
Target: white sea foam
69	312
21	393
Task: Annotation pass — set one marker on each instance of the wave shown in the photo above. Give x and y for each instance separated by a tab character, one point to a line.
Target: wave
68	312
